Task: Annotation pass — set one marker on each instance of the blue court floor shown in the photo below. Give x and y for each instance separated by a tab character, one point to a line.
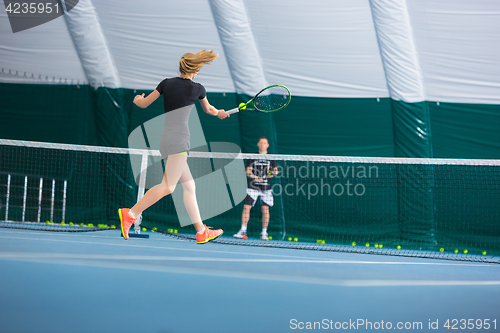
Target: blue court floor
98	282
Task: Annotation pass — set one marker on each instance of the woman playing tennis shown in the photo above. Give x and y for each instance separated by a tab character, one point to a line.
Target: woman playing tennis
179	96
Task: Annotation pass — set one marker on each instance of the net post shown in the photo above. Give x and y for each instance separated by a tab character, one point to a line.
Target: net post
7	199
24	197
64	201
52	200
142	188
142	179
40	199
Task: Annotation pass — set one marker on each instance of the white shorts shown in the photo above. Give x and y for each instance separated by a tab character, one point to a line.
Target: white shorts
265	196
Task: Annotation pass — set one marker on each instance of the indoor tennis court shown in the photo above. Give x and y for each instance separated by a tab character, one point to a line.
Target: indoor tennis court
98	282
249	166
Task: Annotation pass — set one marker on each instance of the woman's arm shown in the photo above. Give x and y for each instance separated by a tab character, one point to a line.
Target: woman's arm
142	102
221	114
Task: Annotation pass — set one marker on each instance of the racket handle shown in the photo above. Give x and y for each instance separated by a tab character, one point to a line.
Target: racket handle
233	111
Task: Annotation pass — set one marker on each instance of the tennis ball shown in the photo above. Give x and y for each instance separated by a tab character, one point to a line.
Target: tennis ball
456	250
170	230
466	251
81	224
175	231
353	243
47	222
295	239
143	229
91	225
71	223
113	227
270	237
484	253
398	247
367	244
376	245
290	239
62	223
441	250
380	246
242	106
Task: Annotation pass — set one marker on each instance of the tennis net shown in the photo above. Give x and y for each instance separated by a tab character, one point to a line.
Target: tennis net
437	208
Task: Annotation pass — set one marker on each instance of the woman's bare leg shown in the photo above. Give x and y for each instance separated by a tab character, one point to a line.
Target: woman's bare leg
190	201
175	166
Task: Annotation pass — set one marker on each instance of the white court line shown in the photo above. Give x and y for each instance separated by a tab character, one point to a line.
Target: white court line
75	256
260	276
87	234
257	254
202	248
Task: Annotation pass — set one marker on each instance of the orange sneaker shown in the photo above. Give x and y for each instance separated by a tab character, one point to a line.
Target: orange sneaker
208	235
126	221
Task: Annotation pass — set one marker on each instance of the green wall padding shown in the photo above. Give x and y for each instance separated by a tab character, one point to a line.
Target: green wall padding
412	138
335	127
49	113
465	130
412	129
111	123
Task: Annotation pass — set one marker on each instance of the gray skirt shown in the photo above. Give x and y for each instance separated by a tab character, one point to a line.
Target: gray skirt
175	135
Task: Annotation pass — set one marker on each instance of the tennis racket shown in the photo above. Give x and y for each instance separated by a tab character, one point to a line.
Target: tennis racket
270	99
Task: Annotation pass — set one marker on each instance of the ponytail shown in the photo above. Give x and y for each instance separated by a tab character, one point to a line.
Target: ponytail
192	63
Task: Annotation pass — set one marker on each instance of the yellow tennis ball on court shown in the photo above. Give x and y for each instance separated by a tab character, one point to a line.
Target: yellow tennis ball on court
295	239
367	244
71	223
170	230
47	222
91	225
113	227
398	247
242	106
353	243
62	223
143	229
290	239
376	245
484	253
441	250
270	237
81	224
466	251
175	231
380	246
456	250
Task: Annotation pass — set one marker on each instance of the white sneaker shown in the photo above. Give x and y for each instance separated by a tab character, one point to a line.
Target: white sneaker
264	236
241	234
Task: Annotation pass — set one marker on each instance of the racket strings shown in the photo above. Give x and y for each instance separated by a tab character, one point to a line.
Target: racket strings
272	99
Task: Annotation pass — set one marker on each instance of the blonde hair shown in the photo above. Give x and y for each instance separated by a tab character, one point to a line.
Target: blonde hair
192	63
